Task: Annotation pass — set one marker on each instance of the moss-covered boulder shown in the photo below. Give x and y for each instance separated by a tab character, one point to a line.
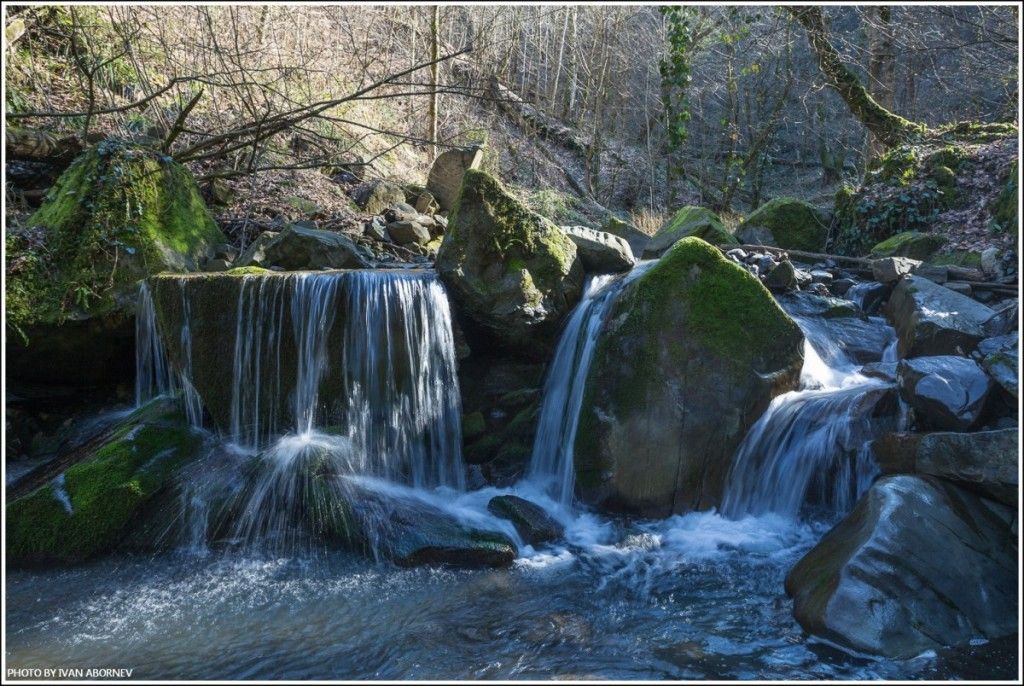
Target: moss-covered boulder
693	352
91	506
512	272
689	221
913	244
636	238
118	214
1004	207
786	223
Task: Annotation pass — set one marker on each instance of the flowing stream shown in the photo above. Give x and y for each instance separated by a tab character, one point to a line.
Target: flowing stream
694	596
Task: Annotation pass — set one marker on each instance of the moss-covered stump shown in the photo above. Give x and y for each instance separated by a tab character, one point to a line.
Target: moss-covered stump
512	272
118	214
89	508
913	244
689	221
693	353
785	223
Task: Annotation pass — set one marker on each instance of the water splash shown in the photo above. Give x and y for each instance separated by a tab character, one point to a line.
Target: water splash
551	462
811	446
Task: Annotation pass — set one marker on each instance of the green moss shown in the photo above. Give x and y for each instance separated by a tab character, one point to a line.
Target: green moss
1004	208
119	213
243	271
958	258
897	165
793	224
913	244
106	492
473	425
976	132
690	221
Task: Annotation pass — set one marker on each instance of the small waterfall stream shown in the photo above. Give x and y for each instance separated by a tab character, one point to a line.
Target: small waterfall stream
551	464
811	446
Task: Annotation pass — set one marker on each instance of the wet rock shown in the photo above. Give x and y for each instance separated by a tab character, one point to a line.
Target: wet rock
960	287
886	371
600	252
918	564
932	320
445	178
985	461
408	233
692	353
782	278
842	286
374	197
999	357
821	276
535	526
95	503
688	221
946	392
870	295
785	223
1004	320
891	269
939	273
298	248
511	271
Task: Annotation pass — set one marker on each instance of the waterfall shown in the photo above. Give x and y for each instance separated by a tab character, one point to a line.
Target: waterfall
551	464
811	446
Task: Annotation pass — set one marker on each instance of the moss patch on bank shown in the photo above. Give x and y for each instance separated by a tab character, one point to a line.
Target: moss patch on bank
791	223
119	213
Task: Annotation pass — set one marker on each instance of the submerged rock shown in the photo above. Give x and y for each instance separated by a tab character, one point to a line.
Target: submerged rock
785	223
600	252
933	320
918	564
534	525
946	392
986	461
298	248
693	352
92	505
513	272
118	214
395	524
689	221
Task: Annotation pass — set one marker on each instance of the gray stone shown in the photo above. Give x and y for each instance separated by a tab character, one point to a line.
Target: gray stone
375	228
939	273
960	287
918	564
600	252
822	276
932	320
426	203
946	392
374	197
216	265
886	371
408	232
986	461
298	248
842	285
990	261
1000	358
890	269
782	278
445	178
533	524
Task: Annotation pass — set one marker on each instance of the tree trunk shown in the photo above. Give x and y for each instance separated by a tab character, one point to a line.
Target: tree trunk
890	129
881	62
434	55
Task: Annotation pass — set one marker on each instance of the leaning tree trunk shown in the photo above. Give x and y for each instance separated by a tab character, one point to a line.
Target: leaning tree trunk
890	129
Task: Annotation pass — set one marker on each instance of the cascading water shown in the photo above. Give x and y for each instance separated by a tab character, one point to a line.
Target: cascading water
551	464
811	446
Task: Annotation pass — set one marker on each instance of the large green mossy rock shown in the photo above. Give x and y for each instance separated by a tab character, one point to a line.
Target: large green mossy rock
509	270
118	214
693	352
913	244
96	502
786	223
917	565
689	221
